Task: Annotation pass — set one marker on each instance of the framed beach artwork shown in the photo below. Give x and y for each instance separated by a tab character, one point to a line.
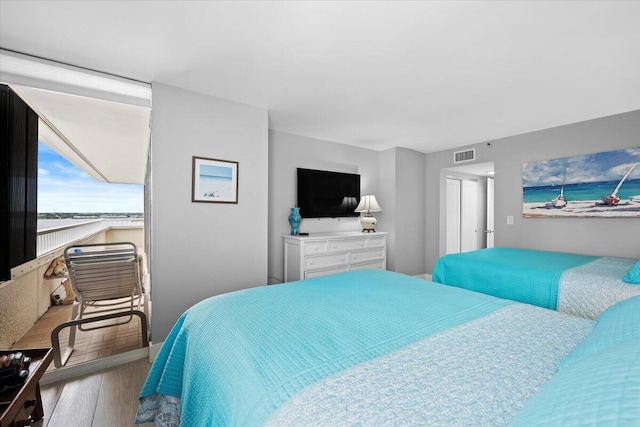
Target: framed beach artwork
594	185
214	180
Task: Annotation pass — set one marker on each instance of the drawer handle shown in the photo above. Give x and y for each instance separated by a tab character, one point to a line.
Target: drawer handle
334	247
311	262
355	258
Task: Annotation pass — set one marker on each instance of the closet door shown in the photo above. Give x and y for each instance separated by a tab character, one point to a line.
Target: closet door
469	216
462	215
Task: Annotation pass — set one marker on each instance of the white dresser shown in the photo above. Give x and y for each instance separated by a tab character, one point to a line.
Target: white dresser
320	254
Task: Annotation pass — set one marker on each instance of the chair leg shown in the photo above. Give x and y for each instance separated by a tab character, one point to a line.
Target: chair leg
61	359
55	339
72	330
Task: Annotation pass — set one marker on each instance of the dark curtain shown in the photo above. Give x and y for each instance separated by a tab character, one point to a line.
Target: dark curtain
18	181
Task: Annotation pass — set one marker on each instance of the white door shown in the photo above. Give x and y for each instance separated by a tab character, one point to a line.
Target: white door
469	216
490	230
462	216
453	216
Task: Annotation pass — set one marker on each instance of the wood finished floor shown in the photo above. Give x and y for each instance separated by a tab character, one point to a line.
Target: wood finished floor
107	398
89	345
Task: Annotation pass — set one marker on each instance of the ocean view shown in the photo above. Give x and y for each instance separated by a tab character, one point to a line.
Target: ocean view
581	191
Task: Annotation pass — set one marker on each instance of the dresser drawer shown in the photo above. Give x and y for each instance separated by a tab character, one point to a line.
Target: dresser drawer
319	273
376	242
315	247
366	255
371	265
320	254
347	245
314	262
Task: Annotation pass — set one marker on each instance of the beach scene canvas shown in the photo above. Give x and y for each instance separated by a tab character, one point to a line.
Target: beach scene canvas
594	185
215	180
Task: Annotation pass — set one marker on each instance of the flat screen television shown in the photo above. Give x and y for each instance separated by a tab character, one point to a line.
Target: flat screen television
325	194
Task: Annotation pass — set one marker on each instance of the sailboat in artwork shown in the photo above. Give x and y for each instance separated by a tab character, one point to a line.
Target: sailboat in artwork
613	199
560	201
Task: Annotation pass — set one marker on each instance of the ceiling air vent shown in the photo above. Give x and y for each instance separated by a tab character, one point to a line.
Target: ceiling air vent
464	156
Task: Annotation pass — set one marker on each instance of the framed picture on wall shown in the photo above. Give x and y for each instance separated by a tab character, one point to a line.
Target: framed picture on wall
214	180
594	185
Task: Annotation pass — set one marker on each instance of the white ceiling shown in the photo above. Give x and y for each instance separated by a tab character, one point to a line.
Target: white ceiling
422	75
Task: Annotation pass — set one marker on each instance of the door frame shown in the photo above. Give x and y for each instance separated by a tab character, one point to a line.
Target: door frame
479	172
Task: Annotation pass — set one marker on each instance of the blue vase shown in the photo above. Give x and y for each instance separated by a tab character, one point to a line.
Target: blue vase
294	220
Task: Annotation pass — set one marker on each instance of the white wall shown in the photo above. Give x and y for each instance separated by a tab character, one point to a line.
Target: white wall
204	249
288	152
591	236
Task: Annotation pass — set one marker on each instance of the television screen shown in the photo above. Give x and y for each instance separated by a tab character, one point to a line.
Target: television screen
324	194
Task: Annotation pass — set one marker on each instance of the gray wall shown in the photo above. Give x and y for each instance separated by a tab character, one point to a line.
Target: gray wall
402	185
204	249
288	152
387	192
592	236
410	218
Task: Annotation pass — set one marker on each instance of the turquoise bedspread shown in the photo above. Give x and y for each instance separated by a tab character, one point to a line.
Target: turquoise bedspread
235	358
522	275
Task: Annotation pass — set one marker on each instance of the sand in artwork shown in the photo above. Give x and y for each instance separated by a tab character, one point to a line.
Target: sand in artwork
592	208
216	187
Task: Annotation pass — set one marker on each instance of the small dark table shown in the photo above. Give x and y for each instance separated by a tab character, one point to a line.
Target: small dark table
23	406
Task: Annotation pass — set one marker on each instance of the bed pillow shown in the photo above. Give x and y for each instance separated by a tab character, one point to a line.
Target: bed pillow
602	389
617	324
633	276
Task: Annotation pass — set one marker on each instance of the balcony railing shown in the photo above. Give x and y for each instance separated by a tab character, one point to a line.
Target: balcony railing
52	238
125	222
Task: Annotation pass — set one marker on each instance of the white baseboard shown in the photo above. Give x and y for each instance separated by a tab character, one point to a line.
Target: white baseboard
68	372
426	277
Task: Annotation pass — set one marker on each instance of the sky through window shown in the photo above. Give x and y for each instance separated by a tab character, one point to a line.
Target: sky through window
63	187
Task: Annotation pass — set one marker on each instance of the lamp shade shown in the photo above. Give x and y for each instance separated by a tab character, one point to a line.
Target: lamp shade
368	203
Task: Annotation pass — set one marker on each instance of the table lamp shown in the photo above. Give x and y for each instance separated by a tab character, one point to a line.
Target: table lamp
368	204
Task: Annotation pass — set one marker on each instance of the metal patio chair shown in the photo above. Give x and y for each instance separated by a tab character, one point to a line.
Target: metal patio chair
104	277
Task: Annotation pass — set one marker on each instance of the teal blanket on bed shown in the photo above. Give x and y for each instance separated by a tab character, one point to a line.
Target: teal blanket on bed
522	275
235	358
